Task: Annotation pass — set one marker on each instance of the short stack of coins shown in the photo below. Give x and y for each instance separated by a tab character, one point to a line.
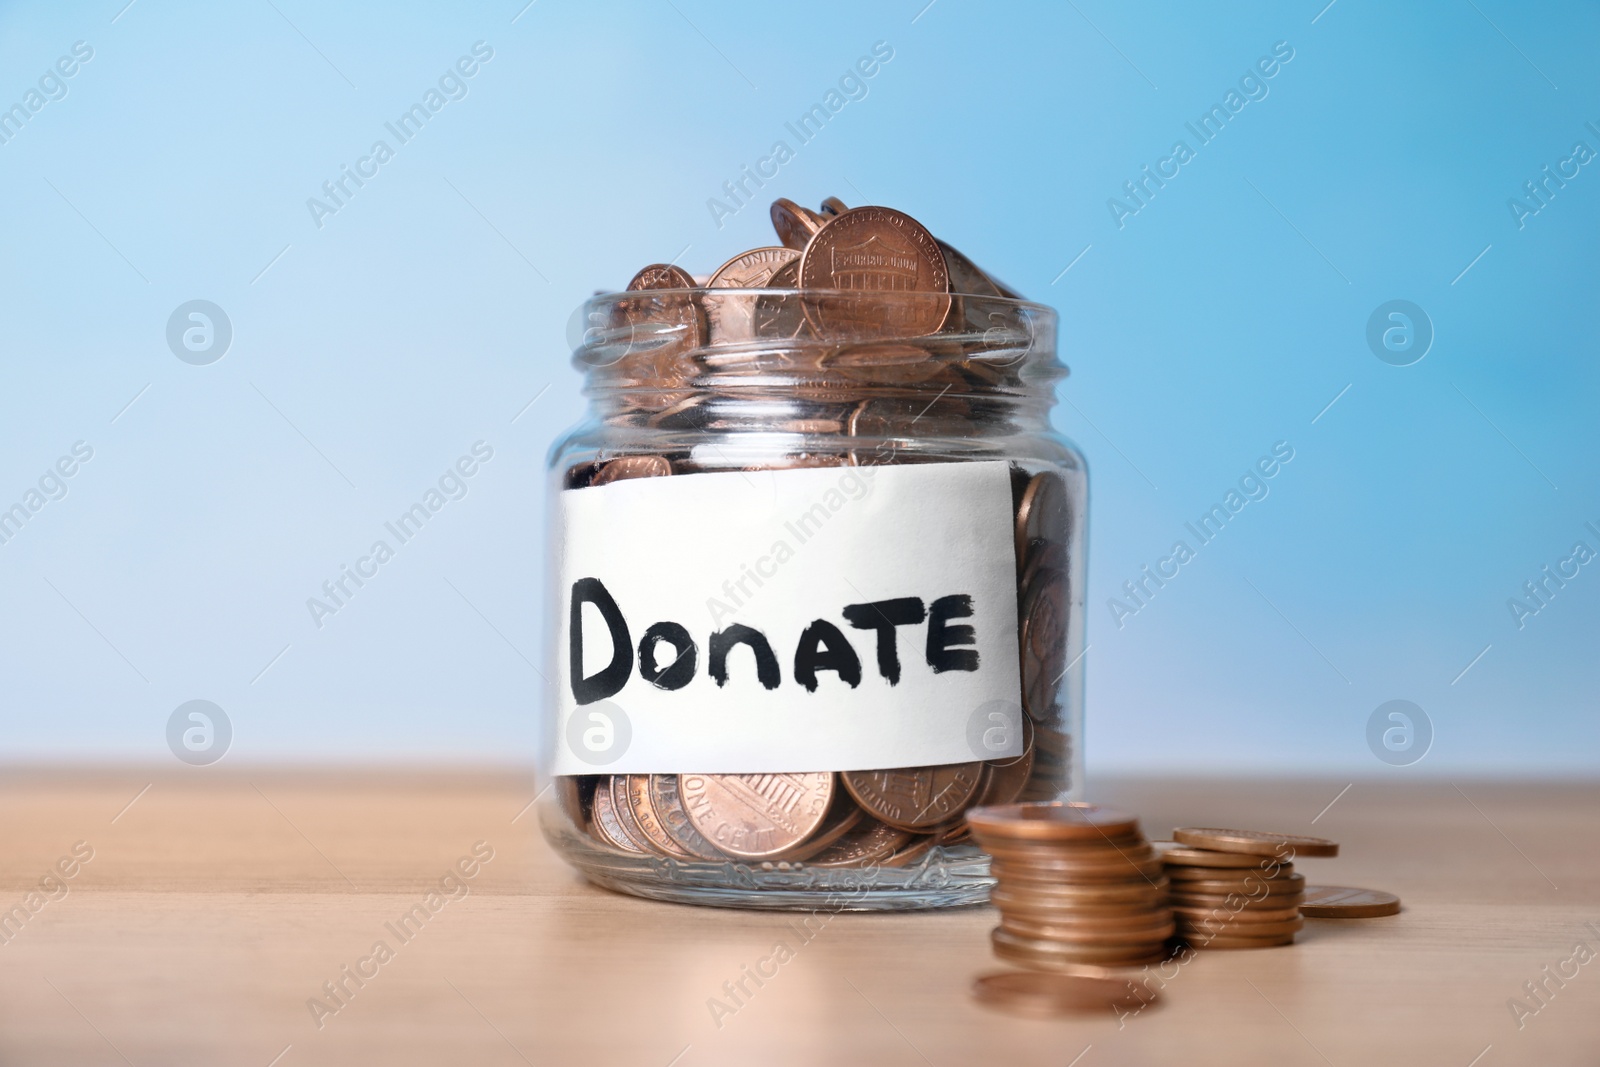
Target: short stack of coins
1237	888
1076	885
784	315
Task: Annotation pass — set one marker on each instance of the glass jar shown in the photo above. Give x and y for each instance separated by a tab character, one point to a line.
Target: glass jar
816	587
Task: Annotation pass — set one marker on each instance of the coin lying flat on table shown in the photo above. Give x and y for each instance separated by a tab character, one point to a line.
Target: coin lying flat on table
1042	994
1255	842
1347	902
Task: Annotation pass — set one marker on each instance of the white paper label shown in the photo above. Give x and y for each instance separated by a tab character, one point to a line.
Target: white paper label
823	619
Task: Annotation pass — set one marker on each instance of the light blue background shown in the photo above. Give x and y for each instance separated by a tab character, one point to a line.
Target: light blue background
370	353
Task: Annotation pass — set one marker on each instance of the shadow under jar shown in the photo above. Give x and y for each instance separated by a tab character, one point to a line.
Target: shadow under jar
816	573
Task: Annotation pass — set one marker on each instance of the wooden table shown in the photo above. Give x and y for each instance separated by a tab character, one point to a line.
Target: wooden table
218	902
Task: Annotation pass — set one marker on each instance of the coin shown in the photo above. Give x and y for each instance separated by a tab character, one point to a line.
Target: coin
1190	914
1255	842
1225	874
876	250
665	798
1008	775
1045	618
608	827
862	846
1158	930
833	206
632	467
1177	855
915	798
1044	512
1216	877
635	796
1023	875
1347	902
1040	994
1108	862
1294	883
754	269
842	817
617	785
1228	941
1108	896
1220	906
794	225
661	276
1062	820
756	816
913	851
1038	952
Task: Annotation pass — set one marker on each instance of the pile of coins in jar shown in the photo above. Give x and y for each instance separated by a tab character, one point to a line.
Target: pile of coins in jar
855	363
1080	891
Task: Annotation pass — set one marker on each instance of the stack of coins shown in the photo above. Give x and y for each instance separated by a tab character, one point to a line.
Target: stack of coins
864	364
1076	885
1237	888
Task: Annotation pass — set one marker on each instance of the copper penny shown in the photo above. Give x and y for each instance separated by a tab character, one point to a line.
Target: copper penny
876	250
661	276
1037	952
1008	776
833	206
1085	895
842	818
913	851
1347	902
1228	874
632	467
915	798
794	225
1275	887
756	816
1062	820
1044	512
1246	916
863	846
636	797
1044	642
1040	994
753	269
1177	855
1224	941
617	784
664	797
1096	937
608	828
1255	842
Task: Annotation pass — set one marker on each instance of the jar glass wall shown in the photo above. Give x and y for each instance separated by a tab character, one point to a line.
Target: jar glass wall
816	573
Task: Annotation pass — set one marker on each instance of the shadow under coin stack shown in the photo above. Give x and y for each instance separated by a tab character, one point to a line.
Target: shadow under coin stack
1237	888
1076	884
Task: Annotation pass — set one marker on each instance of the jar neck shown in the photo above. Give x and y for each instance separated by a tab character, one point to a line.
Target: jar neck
804	361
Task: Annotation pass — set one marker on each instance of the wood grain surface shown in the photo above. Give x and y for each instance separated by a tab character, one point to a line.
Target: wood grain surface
217	903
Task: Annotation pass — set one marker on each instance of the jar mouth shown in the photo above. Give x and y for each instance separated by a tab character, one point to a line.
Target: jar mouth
671	340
